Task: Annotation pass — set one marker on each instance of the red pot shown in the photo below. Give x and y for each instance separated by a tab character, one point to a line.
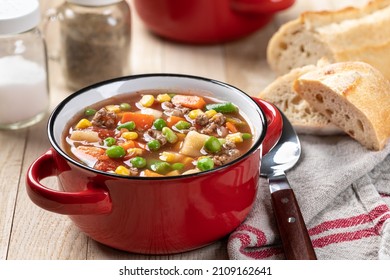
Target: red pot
154	215
207	21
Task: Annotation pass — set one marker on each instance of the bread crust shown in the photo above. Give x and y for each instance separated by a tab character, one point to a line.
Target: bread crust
304	118
354	96
349	34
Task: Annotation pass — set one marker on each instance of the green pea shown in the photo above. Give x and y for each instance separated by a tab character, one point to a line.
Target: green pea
109	141
161	167
246	136
89	112
159	124
125	106
177	166
227	107
154	145
205	164
213	145
169	135
115	152
138	162
182	125
128	125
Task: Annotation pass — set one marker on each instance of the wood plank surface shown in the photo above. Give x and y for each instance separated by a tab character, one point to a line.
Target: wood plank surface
28	232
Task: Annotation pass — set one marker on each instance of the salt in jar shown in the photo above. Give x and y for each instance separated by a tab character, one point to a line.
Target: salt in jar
24	90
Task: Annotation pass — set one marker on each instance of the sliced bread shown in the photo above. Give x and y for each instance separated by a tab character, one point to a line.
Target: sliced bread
304	118
353	95
350	34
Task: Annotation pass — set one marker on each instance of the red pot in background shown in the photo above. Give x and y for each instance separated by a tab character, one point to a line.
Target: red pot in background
157	215
207	21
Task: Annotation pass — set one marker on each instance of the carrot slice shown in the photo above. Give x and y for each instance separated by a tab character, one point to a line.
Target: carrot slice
148	173
143	121
189	101
91	151
127	145
172	120
231	127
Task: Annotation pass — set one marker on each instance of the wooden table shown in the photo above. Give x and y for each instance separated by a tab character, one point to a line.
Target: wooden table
29	232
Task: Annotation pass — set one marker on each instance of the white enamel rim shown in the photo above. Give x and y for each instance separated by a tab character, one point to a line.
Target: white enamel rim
85	97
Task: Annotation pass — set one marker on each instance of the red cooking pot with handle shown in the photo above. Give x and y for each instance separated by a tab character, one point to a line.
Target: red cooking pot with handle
154	215
207	21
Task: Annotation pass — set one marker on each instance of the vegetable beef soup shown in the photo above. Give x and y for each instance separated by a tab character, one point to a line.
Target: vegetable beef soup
152	134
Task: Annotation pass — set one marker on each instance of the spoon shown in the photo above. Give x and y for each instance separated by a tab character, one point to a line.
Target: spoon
293	232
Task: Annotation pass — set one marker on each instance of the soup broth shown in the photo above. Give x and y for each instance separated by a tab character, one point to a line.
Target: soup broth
154	133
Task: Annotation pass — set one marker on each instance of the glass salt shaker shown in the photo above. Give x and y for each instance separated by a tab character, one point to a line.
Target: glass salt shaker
24	90
95	40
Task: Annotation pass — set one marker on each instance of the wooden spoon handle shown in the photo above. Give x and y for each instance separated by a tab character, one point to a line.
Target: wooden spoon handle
293	232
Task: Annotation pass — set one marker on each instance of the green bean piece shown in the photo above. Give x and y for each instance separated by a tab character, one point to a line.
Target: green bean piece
159	124
128	125
161	167
213	145
180	125
205	164
109	141
115	152
177	166
227	107
125	106
169	135
138	162
154	145
90	112
246	136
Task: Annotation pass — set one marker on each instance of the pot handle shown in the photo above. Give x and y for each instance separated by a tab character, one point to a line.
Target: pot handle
91	201
261	6
274	124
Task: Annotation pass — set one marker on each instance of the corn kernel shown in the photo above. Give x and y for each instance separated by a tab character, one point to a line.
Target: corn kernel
121	170
210	113
113	108
83	123
235	137
130	135
194	113
147	100
168	157
163	98
132	152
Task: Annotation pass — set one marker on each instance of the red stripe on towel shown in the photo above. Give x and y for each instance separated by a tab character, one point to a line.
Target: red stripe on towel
242	233
349	222
350	236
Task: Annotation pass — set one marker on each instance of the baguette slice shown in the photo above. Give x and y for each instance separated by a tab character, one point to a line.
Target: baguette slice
350	34
354	96
304	118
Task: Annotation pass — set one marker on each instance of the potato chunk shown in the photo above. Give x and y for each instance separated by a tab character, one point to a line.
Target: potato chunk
85	135
193	144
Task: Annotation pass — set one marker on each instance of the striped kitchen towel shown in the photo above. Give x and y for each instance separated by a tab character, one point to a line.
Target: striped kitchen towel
343	191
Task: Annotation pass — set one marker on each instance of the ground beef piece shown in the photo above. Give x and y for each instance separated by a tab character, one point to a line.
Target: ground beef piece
171	109
202	120
219	119
222	131
133	171
105	119
209	129
156	134
228	153
215	125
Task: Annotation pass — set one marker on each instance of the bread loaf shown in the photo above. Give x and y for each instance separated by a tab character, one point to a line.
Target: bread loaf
350	34
353	95
304	118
